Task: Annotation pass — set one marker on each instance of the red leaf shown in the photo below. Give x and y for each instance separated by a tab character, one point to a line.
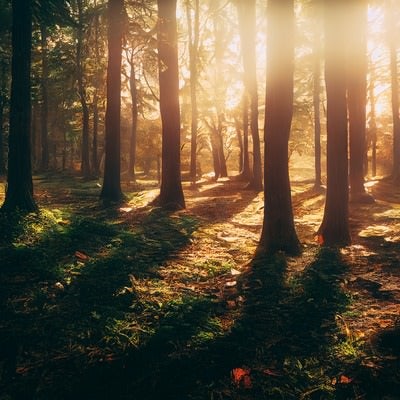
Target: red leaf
345	380
320	239
241	376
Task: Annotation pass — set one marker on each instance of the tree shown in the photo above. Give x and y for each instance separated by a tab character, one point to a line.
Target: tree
19	194
111	190
334	230
247	26
85	164
391	23
193	36
317	99
44	135
171	193
357	96
5	56
278	232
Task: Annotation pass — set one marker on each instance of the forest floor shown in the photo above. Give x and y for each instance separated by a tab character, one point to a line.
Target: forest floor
130	302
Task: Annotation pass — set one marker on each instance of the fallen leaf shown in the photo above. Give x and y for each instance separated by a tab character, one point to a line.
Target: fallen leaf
241	376
271	372
81	256
345	380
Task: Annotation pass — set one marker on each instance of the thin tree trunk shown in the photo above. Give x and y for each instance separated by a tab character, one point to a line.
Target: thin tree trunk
19	194
85	165
134	112
247	24
334	230
357	96
171	193
372	123
44	135
278	232
193	56
240	144
245	172
317	114
111	190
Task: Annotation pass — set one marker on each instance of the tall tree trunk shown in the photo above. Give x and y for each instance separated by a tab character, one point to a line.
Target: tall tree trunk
44	135
245	172
372	136
85	165
278	233
95	157
334	230
193	59
247	25
394	74
19	194
111	190
171	193
221	155
240	143
317	114
134	112
357	96
3	102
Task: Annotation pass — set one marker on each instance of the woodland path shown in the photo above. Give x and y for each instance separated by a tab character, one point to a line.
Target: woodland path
195	316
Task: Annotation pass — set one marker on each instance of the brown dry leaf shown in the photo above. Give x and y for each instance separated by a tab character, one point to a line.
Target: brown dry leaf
271	372
81	256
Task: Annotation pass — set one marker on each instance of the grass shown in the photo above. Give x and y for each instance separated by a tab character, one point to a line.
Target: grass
110	303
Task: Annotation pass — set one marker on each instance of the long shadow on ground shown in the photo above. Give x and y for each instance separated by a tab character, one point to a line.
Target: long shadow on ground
284	334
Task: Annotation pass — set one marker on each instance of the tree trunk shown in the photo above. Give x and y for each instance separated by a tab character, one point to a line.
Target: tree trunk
245	173
278	233
391	22
193	56
44	135
317	114
111	190
19	194
334	230
372	131
247	25
134	112
95	157
240	144
171	193
85	166
357	96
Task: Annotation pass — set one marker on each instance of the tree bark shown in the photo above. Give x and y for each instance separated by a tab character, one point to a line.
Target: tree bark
391	23
85	165
247	25
111	190
357	96
171	193
193	59
134	113
334	230
317	114
278	232
44	111
19	194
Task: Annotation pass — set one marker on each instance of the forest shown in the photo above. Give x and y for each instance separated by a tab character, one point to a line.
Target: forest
199	199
